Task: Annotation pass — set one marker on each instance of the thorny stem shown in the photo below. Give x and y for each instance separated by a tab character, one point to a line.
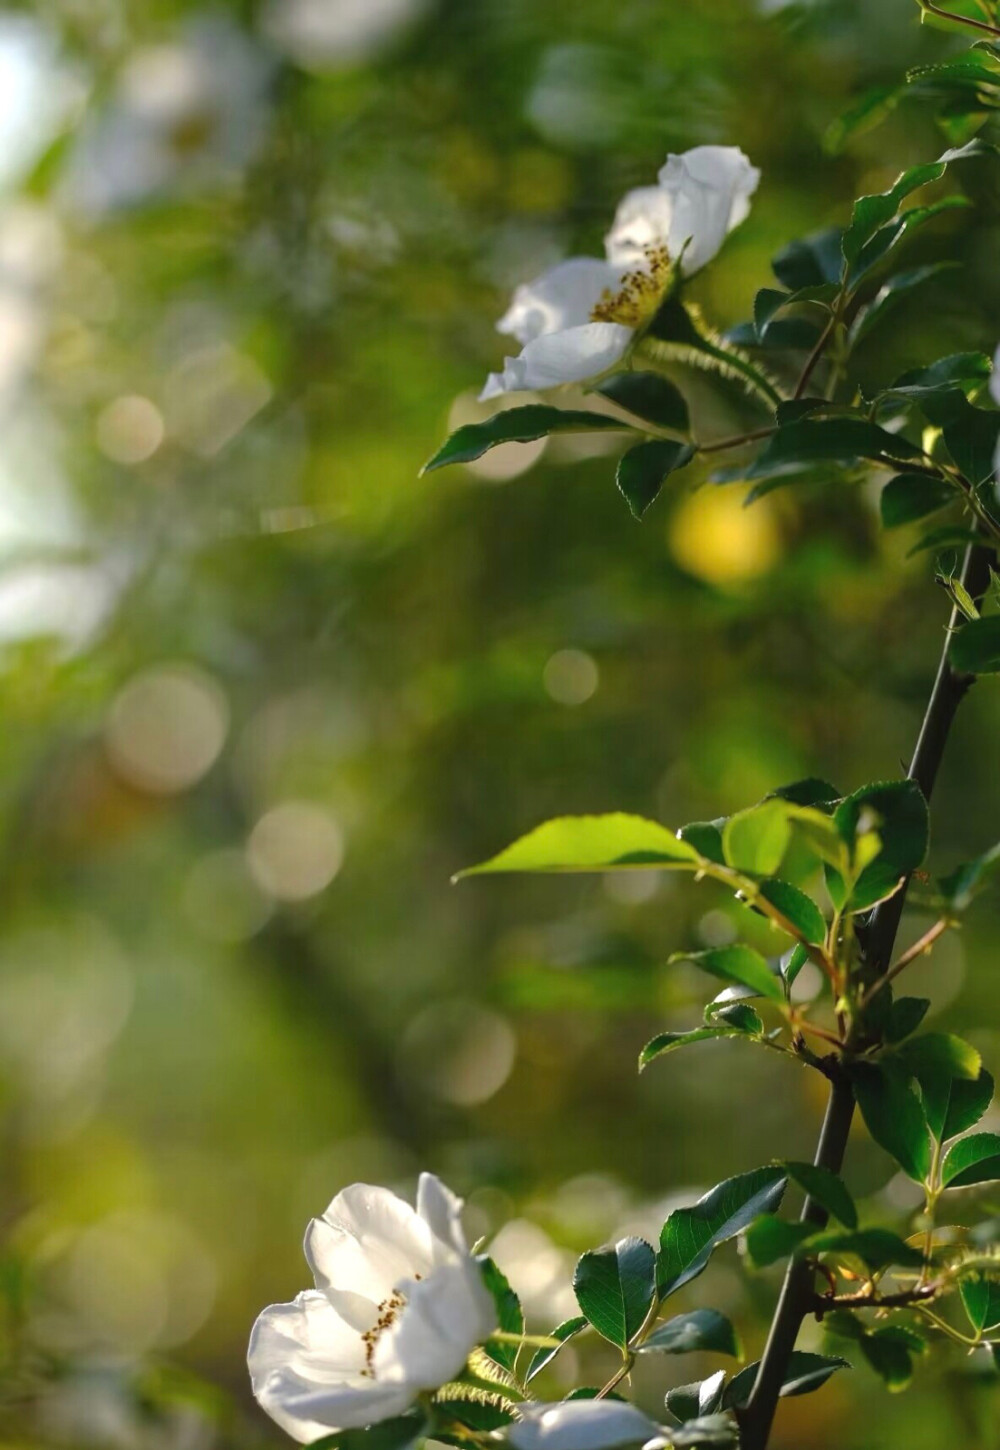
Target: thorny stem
904	1299
817	352
959	19
736	441
797	1292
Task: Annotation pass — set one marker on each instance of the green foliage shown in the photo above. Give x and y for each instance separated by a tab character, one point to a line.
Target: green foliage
563	1332
515	425
690	1235
826	1188
893	1115
643	469
615	1288
806	1372
704	1330
510	1316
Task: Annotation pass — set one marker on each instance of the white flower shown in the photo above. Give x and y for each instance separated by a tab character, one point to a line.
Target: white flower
698	200
581	1425
578	319
398	1306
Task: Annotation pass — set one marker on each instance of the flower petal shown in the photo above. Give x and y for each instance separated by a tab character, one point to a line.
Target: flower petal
445	1317
564	296
580	1425
572	356
310	1337
308	1414
710	189
642	220
367	1242
441	1210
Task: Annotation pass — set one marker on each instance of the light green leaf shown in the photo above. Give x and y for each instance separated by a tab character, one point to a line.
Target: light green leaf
981	1298
665	1042
799	910
689	1235
756	840
615	1288
897	812
564	1332
975	1159
592	843
510	1317
517	425
737	963
770	1238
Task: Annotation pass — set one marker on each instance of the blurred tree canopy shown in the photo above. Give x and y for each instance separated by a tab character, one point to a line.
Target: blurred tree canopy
265	691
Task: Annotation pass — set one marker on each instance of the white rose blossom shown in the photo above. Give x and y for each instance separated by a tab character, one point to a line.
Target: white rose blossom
579	318
398	1306
581	1425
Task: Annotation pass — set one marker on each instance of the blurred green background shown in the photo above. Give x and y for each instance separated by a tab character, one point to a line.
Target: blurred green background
264	690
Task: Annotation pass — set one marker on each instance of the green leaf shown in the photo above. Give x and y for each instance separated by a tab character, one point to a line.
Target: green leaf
826	1188
792	964
912	496
890	294
690	1235
981	1298
700	1329
975	1159
965	369
394	1434
873	107
975	648
592	843
889	1352
563	1332
937	1060
770	1238
756	840
965	881
737	1015
798	909
767	302
872	212
474	1407
615	1288
948	537
642	470
706	1432
665	1042
877	1248
510	1317
964	1104
706	838
970	433
811	262
898	812
894	1116
894	232
830	440
650	397
516	425
805	1372
737	963
905	1016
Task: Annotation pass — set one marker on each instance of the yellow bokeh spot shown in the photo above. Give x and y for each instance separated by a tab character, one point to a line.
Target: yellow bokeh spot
715	538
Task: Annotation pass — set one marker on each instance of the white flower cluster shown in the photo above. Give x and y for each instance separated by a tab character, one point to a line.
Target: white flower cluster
398	1307
579	318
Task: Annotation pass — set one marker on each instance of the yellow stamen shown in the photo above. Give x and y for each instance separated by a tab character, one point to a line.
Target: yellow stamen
640	293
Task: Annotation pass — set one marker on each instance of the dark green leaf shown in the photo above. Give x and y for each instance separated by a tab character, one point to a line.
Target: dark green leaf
826	1188
615	1288
701	1329
516	425
767	302
792	964
937	1060
965	881
975	648
830	440
869	111
563	1332
805	1372
510	1317
975	1159
689	1235
642	469
890	294
961	368
650	397
893	233
706	1432
947	537
737	1015
769	1239
810	262
894	1116
479	1411
905	1016
394	1434
970	433
808	792
872	212
912	496
798	909
592	843
889	1352
706	838
736	963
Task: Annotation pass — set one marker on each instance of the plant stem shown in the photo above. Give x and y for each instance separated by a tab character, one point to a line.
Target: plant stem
816	354
910	955
959	19
796	1298
736	441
